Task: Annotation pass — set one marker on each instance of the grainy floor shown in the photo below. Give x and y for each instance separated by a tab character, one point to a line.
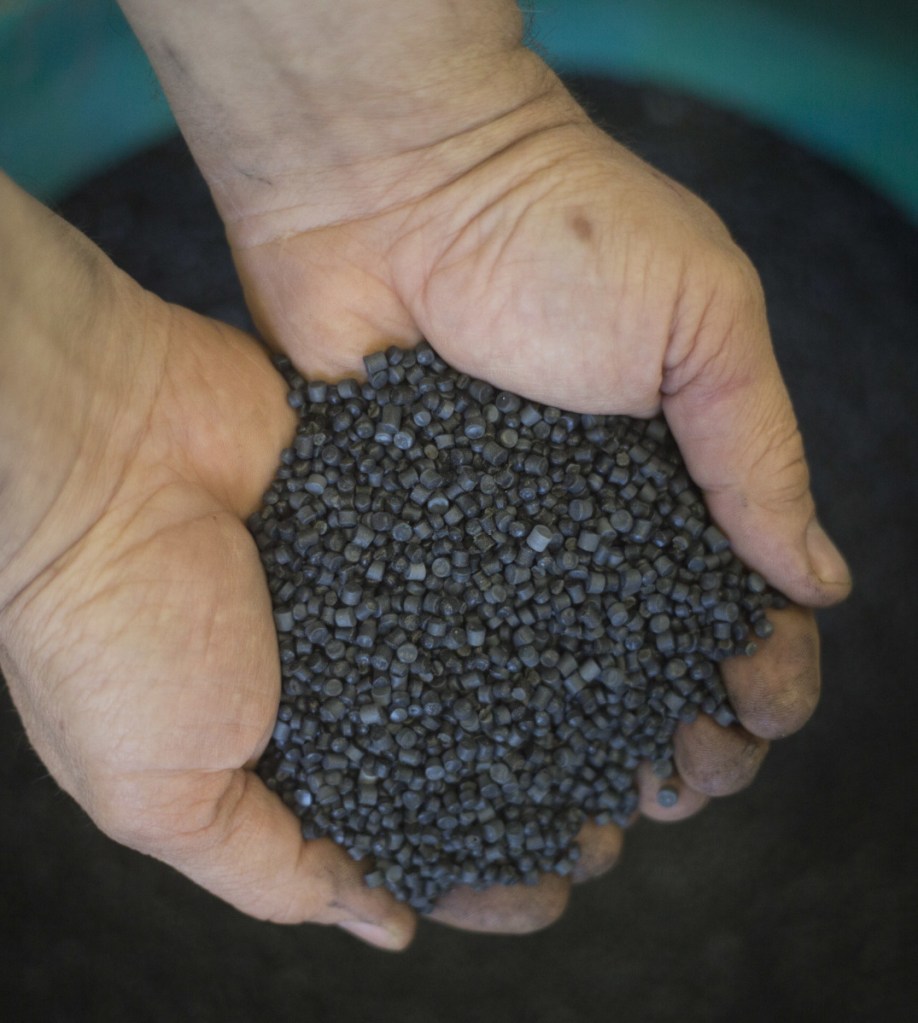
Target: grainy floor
797	900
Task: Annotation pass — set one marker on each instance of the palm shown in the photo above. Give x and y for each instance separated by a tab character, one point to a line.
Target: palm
152	636
155	652
175	641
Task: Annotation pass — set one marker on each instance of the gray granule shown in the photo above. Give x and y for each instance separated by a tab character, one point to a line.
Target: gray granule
668	796
489	613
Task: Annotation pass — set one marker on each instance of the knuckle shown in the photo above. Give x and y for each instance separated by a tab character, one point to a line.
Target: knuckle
739	295
155	815
738	283
719	324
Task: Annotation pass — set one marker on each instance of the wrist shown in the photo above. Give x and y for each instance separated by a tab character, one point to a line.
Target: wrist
372	163
300	118
71	387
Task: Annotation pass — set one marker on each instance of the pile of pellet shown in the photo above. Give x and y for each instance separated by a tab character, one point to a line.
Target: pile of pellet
489	612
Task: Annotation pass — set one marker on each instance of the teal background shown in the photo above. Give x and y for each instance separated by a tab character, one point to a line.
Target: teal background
77	94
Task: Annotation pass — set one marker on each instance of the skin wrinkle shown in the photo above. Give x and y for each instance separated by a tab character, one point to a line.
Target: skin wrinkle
168	825
474	225
170	53
396	181
791	494
122	807
97	454
437	151
783	434
686	365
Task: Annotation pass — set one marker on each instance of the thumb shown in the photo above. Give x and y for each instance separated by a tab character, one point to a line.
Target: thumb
731	415
249	852
313	298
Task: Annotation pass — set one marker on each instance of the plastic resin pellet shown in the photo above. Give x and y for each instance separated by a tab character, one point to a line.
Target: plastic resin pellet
489	612
539	538
668	796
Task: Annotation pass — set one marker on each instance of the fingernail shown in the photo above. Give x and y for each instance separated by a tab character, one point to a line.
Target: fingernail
372	934
825	559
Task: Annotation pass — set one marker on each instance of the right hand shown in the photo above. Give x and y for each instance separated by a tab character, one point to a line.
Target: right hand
564	269
387	172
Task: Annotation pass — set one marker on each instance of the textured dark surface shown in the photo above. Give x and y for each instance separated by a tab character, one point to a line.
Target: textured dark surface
489	613
796	900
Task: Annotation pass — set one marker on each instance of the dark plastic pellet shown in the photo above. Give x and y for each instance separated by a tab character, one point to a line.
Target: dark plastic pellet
494	454
580	510
283	620
375	363
539	537
725	612
715	540
763	629
588	541
407	653
668	796
490	612
755	583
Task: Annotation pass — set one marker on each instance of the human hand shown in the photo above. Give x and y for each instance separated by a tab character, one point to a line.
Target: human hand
564	269
136	632
422	175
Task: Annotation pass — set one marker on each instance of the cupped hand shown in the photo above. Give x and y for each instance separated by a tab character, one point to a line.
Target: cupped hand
560	266
139	644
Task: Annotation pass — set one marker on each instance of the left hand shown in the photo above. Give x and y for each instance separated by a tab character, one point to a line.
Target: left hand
136	632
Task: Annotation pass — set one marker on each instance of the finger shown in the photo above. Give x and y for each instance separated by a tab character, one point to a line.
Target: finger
248	850
775	691
717	761
667	799
731	415
600	848
504	909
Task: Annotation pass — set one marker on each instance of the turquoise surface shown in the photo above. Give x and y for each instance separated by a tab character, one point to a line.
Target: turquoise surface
77	94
